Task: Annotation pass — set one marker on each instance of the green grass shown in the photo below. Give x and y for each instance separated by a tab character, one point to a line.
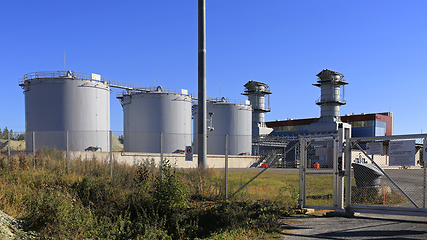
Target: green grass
319	190
272	186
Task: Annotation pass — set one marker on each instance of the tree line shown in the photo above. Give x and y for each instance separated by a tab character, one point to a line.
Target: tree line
13	136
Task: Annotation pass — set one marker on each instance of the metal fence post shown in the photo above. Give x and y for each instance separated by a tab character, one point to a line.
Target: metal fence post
302	172
34	149
111	153
226	167
68	153
347	180
161	155
8	147
424	151
424	193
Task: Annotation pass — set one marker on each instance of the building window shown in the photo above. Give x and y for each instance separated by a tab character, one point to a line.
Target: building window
286	129
360	124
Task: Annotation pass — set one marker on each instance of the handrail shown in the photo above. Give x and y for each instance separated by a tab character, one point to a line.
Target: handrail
130	87
227	100
145	89
60	74
340	100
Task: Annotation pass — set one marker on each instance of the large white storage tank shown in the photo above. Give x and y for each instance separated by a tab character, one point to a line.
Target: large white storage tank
66	110
150	113
227	118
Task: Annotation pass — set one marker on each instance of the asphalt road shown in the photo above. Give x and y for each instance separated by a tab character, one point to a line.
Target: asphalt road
363	226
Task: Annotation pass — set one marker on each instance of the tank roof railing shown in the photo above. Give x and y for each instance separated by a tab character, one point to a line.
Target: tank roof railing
222	99
130	87
60	74
226	100
145	89
266	90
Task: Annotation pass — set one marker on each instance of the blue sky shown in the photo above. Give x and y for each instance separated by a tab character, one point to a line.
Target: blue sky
380	47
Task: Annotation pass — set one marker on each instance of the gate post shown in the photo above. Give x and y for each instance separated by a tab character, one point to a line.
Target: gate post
341	166
347	180
338	195
302	173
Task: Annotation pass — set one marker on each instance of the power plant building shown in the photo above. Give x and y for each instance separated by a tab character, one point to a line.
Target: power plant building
362	125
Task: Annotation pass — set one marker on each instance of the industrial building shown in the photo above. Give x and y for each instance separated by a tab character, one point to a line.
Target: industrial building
362	125
330	83
284	134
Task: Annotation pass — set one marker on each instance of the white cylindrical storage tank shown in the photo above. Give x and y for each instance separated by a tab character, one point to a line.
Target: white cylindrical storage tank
66	110
150	114
226	118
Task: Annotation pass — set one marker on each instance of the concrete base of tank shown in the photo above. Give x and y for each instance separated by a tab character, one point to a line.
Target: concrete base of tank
176	160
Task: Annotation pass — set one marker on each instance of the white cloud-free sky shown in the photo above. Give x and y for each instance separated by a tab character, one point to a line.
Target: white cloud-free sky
379	45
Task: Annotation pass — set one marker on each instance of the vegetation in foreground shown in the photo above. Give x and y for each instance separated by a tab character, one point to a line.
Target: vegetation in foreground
140	202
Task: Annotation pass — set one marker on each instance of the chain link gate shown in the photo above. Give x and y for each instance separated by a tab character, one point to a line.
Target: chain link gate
387	175
317	176
382	175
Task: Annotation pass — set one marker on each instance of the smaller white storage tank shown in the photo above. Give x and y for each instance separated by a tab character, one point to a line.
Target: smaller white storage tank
227	118
151	112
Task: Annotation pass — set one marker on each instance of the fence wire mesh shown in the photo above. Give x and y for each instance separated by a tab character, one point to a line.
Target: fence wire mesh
130	147
319	182
388	172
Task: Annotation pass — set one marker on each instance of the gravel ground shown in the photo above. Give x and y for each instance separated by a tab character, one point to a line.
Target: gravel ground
361	226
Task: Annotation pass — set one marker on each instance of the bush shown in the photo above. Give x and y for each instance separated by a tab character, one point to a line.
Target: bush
158	204
101	196
258	215
56	214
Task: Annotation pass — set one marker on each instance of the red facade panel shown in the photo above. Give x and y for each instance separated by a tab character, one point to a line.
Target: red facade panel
294	122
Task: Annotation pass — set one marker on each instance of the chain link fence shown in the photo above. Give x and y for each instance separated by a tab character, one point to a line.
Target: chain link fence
388	172
384	171
132	147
